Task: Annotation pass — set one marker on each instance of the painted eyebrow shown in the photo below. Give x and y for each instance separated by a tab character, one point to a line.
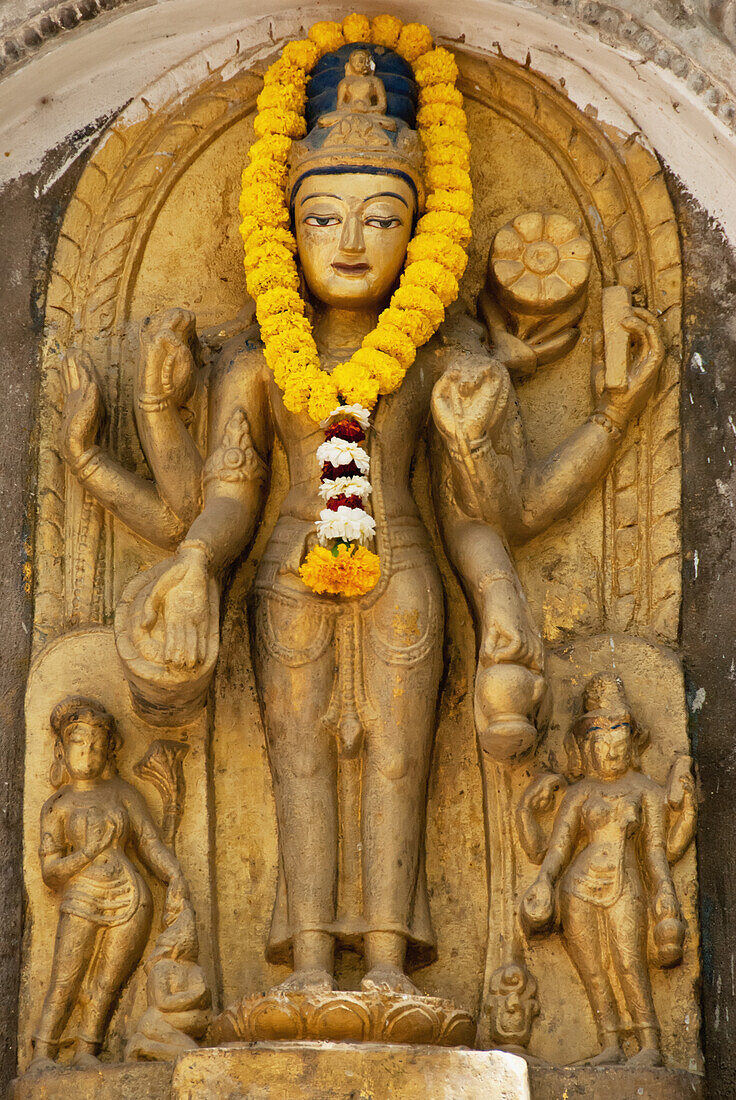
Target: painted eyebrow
390	195
318	195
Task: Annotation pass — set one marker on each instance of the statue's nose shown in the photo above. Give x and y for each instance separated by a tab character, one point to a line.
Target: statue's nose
351	239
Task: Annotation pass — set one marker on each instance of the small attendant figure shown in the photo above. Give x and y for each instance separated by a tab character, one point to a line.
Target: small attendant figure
106	906
610	837
178	997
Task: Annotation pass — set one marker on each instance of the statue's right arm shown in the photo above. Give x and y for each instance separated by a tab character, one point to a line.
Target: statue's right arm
235	473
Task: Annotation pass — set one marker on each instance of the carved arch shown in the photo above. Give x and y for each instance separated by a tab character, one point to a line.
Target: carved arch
623	202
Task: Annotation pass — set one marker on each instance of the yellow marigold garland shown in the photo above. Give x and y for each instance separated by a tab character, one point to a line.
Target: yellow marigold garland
436	256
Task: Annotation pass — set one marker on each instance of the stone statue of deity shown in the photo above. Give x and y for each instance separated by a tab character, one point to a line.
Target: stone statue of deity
347	685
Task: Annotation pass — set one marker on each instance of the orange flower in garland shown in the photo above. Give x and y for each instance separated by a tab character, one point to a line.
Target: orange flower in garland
341	571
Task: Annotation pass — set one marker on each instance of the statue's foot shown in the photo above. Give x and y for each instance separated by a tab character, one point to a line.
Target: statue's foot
40	1065
307	981
388	979
85	1060
609	1056
647	1056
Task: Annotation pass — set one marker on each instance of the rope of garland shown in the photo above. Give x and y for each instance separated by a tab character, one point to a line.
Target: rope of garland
436	260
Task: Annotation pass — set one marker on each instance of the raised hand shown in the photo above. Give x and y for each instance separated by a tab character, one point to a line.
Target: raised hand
469	401
180	599
622	406
167	366
82	410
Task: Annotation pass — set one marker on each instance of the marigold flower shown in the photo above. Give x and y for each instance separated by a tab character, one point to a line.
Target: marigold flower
356	28
451	202
274	120
279	323
271	276
438	66
285	97
440	248
448	178
278	300
284	71
264	171
343	452
356	383
327	36
421	298
385	30
413	322
454	226
342	571
446	154
432	274
414	40
393	342
441	93
439	114
272	235
304	54
387	371
270	147
272	253
437	136
323	396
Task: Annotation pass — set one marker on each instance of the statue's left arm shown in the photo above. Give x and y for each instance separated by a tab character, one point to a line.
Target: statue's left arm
532	494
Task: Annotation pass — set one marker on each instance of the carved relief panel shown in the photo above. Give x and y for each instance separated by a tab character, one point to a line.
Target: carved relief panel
545	523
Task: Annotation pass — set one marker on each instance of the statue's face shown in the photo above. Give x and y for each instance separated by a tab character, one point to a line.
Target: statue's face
85	750
352	231
360	61
609	747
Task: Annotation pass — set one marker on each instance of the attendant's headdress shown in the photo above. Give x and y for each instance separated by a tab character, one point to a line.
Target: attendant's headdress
360	118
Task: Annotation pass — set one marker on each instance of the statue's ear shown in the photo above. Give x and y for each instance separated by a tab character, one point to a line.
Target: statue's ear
57	771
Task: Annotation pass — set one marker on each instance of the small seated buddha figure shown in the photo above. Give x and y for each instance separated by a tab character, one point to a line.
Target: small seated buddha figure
360	89
106	908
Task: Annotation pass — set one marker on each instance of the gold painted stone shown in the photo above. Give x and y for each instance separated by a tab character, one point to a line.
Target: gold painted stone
365	1016
325	1071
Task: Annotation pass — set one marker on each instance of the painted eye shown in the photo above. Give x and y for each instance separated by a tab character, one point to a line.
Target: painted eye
321	220
383	223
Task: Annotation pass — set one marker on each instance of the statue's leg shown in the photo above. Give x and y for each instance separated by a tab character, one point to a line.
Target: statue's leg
75	942
402	668
294	663
582	936
627	922
119	952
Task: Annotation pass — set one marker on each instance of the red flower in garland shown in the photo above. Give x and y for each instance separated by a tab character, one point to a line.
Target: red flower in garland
345	429
343	501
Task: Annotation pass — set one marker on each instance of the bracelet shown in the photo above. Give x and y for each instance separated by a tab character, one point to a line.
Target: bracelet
197	544
153	402
608	424
479	447
496	575
85	464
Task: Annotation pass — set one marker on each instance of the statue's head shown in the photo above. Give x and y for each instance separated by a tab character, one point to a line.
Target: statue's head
359	62
86	739
608	740
355	182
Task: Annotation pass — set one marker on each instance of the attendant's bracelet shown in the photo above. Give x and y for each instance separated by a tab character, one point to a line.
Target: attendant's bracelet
197	544
608	424
153	402
496	575
85	464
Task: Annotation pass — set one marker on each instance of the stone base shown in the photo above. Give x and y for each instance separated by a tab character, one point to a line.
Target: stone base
346	1071
345	1017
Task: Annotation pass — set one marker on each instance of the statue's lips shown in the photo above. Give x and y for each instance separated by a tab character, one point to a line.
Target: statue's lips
351	269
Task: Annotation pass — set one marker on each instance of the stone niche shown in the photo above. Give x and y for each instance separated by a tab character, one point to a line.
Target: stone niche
528	748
